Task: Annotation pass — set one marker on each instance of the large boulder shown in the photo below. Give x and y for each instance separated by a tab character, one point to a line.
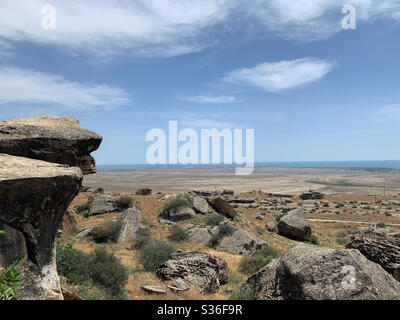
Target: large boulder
102	205
200	235
241	242
380	248
223	207
200	205
181	213
49	138
130	223
199	270
309	272
34	196
293	225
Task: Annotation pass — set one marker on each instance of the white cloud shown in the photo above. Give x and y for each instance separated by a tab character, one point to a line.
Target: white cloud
31	88
282	75
209	99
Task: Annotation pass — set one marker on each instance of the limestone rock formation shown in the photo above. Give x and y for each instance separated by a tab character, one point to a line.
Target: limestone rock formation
102	205
199	270
200	205
68	223
293	225
223	207
34	196
130	220
181	213
49	138
308	272
200	235
380	248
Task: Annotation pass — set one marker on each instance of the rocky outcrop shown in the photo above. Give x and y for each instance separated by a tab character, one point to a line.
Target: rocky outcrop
130	223
102	205
199	270
200	235
181	213
223	207
308	272
241	242
68	223
34	196
294	226
52	139
380	248
272	227
200	205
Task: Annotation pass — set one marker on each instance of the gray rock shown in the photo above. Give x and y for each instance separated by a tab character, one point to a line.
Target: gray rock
153	290
144	192
68	223
181	213
294	226
200	205
309	272
130	220
200	270
49	138
85	233
272	227
200	235
102	205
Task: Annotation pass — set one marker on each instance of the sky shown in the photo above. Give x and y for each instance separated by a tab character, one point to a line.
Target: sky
311	90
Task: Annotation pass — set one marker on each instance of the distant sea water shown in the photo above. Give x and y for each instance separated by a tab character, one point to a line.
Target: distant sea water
373	165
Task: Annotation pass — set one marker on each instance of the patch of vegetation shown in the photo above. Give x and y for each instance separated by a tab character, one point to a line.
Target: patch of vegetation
314	239
258	260
90	292
109	231
84	209
223	231
175	204
143	237
239	294
214	220
99	268
341	238
178	234
154	254
9	283
123	203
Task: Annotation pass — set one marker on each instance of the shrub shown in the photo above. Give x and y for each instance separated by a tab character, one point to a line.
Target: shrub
143	237
381	225
84	209
154	254
9	283
258	260
178	234
215	219
123	203
239	294
100	269
174	204
106	232
223	231
314	239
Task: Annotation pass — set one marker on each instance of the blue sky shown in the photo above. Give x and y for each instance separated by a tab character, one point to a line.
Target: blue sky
310	90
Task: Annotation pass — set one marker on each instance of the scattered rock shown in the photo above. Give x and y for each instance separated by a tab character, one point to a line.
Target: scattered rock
200	205
181	213
223	207
130	220
199	270
294	226
85	233
144	192
272	227
309	272
380	248
241	200
153	290
200	235
52	139
102	205
314	195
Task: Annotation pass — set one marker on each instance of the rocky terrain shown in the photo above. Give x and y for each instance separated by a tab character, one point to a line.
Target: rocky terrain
83	242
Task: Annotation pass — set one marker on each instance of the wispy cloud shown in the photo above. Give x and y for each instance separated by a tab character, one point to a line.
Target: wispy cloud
391	111
204	123
209	99
282	75
6	50
31	88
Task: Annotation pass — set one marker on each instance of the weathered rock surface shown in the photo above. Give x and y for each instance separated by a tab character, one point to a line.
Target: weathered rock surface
199	270
144	192
34	196
272	227
294	226
200	205
12	245
308	272
181	213
68	223
130	220
200	235
380	248
49	138
153	290
223	207
102	205
241	242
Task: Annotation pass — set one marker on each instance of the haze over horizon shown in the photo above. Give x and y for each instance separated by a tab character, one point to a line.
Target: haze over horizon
311	90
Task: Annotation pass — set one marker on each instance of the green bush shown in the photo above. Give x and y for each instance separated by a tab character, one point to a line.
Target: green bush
143	237
9	283
239	294
84	209
175	204
258	260
100	268
314	239
106	232
223	231
178	234
155	254
123	203
215	219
